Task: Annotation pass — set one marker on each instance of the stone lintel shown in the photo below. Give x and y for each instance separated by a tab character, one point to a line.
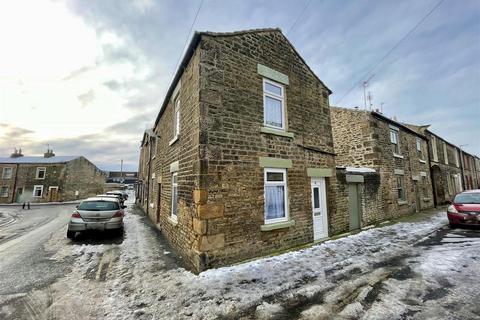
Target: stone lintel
266	162
354	178
319	172
272	74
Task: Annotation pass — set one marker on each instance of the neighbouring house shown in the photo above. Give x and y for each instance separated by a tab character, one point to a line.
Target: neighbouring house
400	182
240	162
127	177
48	179
477	172
469	171
446	166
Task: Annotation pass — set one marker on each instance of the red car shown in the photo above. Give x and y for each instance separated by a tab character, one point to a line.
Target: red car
465	209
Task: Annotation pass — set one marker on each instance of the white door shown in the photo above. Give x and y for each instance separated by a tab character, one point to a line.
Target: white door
319	204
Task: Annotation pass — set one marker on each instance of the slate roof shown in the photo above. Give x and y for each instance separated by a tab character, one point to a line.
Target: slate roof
56	159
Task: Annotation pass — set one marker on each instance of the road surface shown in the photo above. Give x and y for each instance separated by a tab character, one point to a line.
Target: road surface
410	270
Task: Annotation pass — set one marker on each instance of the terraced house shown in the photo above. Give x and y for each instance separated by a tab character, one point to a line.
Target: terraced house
48	179
240	161
389	168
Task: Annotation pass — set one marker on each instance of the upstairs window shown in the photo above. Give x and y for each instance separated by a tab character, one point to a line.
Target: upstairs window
40	174
394	141
419	148
275	195
7	173
273	105
434	149
445	153
176	117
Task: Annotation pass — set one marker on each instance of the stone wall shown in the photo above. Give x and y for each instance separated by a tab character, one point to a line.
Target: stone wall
82	180
362	139
232	184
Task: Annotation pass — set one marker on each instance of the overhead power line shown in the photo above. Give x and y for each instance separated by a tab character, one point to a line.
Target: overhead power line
187	38
298	17
392	49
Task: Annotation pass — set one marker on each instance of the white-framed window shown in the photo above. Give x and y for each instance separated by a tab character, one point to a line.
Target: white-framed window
419	148
400	188
457	162
176	116
40	174
37	191
434	149
394	141
174	195
273	104
4	192
7	173
153	146
276	195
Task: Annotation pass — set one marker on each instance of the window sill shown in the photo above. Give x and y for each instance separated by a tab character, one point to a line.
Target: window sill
399	156
402	202
277	132
175	139
277	225
172	221
422	161
427	199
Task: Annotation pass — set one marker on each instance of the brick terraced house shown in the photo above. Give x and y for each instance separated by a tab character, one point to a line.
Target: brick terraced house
48	179
240	161
400	183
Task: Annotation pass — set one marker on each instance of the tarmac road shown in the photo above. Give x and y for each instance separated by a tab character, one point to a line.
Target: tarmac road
24	264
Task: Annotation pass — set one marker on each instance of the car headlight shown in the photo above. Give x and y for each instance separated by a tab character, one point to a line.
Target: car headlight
452	209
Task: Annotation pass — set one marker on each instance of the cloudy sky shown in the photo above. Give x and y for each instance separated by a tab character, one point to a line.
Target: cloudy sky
88	77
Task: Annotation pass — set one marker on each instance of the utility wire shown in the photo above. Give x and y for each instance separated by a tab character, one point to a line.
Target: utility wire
186	40
298	17
393	48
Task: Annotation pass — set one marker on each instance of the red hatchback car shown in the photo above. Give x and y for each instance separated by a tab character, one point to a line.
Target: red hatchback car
465	209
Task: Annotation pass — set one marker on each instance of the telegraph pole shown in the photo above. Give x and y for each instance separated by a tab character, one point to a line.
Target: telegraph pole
121	170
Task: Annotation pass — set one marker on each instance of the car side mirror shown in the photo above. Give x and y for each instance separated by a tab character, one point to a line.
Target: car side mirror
76	206
123	207
448	202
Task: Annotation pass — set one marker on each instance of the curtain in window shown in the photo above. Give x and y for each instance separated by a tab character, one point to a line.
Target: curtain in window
274	202
273	112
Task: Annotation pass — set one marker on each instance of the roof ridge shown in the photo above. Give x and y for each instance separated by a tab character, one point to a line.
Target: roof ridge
234	33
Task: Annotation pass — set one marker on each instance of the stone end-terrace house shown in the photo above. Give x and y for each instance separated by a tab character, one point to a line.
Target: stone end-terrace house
240	161
398	155
48	179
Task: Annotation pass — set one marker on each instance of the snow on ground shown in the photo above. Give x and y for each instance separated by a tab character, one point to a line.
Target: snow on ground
138	278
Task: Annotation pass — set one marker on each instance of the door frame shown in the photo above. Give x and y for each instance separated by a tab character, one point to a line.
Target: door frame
50	193
16	193
323	206
358	204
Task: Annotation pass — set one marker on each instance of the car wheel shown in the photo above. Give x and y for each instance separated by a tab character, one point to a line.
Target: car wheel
453	226
70	234
119	232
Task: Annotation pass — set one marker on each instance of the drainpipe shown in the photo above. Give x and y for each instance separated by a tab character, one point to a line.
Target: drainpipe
430	171
462	169
15	184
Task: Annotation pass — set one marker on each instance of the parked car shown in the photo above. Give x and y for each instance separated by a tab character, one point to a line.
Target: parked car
98	214
123	193
465	209
119	197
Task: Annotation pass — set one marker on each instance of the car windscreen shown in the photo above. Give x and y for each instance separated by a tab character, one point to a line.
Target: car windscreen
98	206
466	198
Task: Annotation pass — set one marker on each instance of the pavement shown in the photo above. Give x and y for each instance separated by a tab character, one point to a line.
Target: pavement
417	268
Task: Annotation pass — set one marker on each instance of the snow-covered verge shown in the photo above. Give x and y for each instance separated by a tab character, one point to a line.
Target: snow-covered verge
138	278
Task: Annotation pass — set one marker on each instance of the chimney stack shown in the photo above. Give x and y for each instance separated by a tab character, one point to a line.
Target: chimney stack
49	154
16	153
